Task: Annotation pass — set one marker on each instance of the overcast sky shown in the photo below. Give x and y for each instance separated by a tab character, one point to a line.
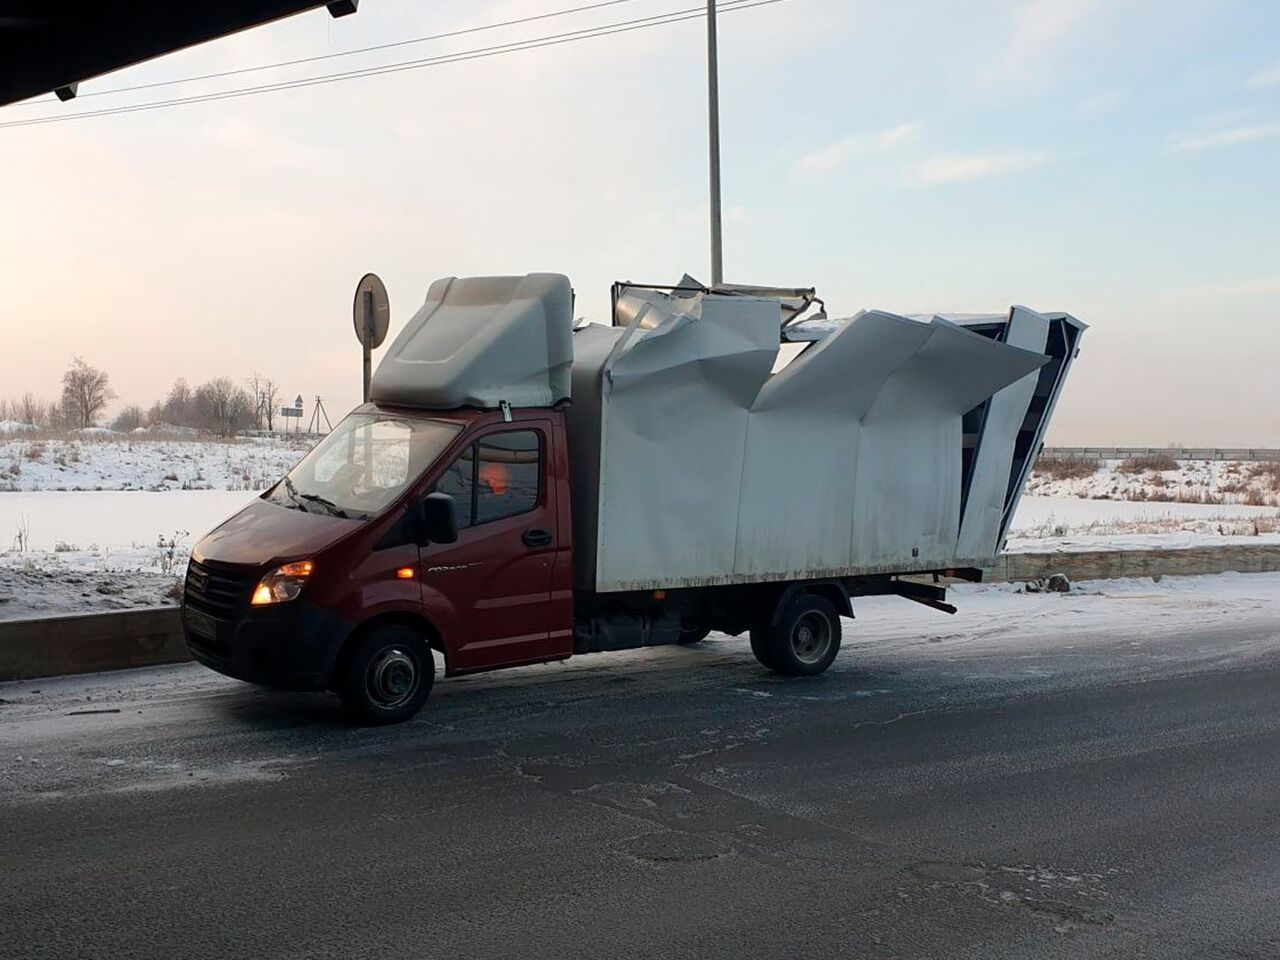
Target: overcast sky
1117	159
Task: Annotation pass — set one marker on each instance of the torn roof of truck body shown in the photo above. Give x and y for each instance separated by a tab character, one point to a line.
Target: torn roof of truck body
888	444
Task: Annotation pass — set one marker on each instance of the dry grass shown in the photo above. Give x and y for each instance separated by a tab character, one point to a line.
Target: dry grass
1223	525
1151	462
1066	468
1267	472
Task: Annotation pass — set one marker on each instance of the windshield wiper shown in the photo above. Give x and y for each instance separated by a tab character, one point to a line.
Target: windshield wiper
292	491
329	505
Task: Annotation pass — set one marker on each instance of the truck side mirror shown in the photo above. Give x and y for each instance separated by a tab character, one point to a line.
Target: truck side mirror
439	516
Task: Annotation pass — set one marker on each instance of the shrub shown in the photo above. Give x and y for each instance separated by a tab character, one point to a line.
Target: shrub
1066	468
1268	472
1151	461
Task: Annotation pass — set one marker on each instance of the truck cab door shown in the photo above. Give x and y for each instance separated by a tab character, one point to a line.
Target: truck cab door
490	590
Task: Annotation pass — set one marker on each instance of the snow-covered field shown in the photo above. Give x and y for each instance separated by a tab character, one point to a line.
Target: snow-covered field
100	550
125	462
105	523
1046	524
1195	481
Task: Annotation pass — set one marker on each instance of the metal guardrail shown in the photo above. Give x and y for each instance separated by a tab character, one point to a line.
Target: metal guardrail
1257	454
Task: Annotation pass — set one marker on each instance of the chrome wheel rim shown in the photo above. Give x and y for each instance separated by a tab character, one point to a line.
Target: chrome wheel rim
393	677
811	638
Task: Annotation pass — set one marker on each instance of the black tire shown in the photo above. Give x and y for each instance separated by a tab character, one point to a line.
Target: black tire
803	641
387	676
691	635
760	645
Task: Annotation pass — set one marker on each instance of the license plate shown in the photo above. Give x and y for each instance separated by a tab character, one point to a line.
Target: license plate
200	624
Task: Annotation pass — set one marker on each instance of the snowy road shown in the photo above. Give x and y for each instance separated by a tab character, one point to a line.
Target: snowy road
1088	775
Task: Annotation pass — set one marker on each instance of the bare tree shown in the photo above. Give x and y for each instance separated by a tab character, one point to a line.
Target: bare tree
270	401
223	407
177	409
265	397
130	418
85	392
30	410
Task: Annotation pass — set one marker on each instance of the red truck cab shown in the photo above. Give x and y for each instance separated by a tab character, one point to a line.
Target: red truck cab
398	534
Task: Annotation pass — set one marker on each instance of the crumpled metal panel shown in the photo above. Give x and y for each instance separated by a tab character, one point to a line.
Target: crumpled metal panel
993	459
480	341
847	460
678	388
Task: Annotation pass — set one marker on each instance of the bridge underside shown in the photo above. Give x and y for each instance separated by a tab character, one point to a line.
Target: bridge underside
52	46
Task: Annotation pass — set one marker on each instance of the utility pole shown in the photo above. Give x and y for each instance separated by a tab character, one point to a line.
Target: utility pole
713	122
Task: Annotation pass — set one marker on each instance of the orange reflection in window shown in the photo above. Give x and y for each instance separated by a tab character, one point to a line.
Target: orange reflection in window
496	477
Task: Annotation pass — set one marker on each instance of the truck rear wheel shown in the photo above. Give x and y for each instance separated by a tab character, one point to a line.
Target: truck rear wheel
803	639
388	675
693	633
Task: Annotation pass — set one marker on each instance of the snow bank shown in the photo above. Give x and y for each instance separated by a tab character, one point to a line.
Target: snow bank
109	461
111	522
1003	616
1203	481
1049	524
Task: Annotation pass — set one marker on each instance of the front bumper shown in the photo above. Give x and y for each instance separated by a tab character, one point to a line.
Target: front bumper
291	645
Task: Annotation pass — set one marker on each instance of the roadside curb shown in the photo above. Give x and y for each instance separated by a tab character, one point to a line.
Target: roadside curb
91	642
1114	564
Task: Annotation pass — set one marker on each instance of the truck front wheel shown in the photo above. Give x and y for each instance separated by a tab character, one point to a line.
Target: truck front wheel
388	675
802	640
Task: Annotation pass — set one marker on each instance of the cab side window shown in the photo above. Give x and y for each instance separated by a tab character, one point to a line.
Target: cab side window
496	477
458	480
508	466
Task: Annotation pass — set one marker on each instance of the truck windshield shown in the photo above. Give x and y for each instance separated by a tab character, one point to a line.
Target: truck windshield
363	465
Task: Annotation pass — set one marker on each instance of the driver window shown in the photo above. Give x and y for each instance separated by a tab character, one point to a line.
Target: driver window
499	476
457	481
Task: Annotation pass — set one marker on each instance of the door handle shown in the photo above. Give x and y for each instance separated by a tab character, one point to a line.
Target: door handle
537	537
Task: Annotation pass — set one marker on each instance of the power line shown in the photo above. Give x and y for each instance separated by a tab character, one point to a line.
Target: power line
359	50
331	56
625	26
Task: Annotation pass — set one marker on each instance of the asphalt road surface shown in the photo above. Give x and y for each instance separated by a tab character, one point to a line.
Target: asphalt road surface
1098	782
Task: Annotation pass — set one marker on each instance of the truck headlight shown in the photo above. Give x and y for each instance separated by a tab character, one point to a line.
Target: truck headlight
282	583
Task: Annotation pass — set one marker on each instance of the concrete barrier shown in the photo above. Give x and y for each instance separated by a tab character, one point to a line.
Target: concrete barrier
85	643
1110	564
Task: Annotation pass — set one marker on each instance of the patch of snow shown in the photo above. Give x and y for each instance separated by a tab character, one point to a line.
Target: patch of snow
45	585
1052	524
113	522
1198	481
17	426
110	550
105	461
1004	615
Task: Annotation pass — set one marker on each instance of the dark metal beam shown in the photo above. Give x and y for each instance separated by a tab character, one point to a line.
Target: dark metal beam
52	45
